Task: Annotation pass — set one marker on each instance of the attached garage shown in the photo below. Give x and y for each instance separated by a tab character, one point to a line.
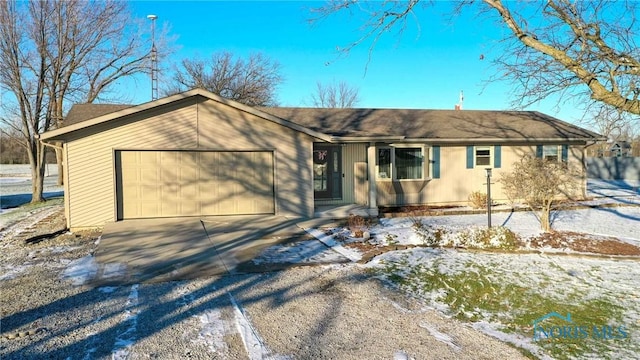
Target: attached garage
187	155
194	183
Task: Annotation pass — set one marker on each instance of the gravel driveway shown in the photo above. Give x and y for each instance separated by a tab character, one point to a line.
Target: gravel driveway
319	312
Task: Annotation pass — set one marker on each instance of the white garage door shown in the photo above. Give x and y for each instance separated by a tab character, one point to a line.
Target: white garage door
194	183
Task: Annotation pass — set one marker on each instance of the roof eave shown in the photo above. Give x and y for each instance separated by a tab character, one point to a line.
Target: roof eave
55	134
507	140
355	139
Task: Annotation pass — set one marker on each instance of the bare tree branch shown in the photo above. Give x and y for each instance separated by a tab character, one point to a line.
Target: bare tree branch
55	52
340	95
585	51
382	17
253	81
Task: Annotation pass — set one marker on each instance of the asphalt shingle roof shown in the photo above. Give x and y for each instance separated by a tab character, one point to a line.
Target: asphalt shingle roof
408	123
432	124
82	112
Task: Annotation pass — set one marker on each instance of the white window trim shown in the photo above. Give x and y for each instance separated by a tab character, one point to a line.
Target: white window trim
391	168
491	156
394	172
558	152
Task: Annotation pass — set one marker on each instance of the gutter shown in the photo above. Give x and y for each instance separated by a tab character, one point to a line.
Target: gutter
45	143
356	139
352	139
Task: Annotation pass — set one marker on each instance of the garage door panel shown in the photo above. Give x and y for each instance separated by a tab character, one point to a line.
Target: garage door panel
187	183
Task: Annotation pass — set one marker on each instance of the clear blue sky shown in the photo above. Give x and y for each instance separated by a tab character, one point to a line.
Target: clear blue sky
425	68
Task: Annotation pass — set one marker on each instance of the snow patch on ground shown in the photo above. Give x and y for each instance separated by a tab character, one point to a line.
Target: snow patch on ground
401	355
92	341
253	343
213	330
302	252
515	339
107	289
329	241
126	339
34	216
81	271
13	272
440	336
61	249
113	270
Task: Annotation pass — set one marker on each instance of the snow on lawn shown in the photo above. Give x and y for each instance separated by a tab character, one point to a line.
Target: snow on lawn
622	222
610	188
501	294
518	288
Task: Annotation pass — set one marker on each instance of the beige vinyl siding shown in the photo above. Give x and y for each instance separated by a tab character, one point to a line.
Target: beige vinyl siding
91	158
223	127
457	182
351	153
194	123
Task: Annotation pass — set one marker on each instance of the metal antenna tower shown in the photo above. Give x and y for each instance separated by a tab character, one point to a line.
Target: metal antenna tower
154	59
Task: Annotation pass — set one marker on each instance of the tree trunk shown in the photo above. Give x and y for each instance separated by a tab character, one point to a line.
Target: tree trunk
36	160
60	166
545	217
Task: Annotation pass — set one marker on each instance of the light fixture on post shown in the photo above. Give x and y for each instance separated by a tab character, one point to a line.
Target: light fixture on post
488	196
154	58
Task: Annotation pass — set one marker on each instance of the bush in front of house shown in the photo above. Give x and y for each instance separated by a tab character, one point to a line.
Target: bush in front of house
478	200
430	236
358	226
497	237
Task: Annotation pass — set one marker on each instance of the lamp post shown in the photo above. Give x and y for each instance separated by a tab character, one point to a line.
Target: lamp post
488	196
154	59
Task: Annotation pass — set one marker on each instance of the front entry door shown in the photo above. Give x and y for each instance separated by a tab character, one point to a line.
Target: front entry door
327	172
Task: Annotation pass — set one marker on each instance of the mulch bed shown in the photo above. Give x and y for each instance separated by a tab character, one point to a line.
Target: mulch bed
585	243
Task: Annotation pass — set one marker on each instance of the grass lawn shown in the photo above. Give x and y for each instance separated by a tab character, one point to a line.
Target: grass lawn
503	294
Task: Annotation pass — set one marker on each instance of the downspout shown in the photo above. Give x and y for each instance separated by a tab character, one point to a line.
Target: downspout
371	171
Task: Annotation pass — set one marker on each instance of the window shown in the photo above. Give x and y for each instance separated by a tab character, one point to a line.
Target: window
550	152
553	152
483	156
409	163
384	163
400	163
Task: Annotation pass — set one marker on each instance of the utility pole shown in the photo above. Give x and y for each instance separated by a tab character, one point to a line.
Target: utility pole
154	59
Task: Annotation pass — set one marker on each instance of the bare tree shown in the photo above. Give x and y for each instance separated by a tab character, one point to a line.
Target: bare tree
580	50
540	183
614	124
11	147
53	52
333	95
253	81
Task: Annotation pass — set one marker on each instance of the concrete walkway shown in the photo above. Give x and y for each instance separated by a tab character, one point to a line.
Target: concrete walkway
153	250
